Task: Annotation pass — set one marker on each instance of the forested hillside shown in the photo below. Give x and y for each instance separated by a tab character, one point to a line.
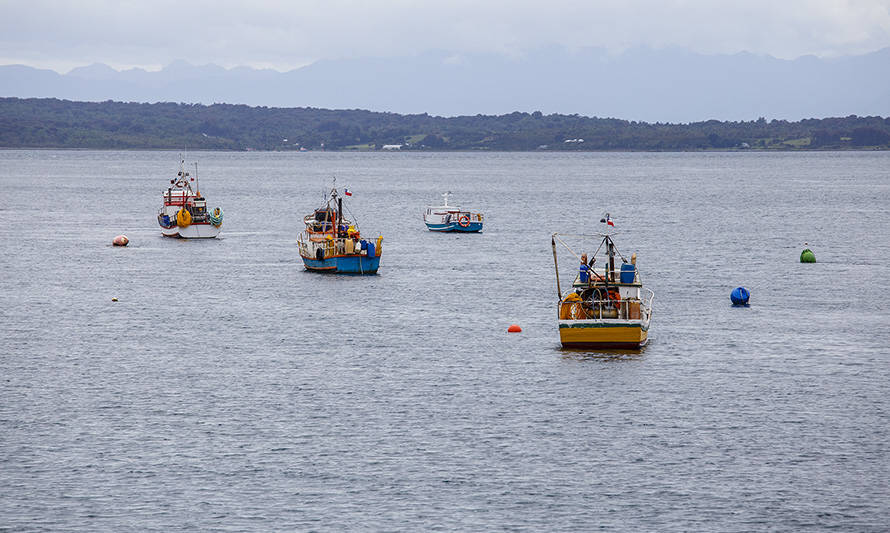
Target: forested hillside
53	123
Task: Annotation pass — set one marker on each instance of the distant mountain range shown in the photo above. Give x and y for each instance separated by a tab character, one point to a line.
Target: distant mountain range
642	84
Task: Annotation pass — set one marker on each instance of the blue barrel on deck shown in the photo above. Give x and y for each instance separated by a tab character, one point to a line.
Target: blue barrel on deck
628	273
364	244
370	249
739	296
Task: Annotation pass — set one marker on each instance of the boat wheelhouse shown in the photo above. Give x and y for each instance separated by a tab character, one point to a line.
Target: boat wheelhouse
184	213
451	218
605	307
332	243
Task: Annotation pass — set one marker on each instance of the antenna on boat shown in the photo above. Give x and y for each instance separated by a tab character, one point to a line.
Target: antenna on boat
180	176
182	166
445	195
197	187
611	249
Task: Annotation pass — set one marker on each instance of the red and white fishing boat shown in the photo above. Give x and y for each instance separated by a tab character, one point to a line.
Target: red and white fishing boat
184	213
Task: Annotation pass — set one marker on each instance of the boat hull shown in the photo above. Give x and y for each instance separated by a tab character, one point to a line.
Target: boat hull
473	227
344	264
618	334
192	231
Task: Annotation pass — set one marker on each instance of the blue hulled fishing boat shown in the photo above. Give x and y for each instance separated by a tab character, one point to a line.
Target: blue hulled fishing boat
332	243
450	218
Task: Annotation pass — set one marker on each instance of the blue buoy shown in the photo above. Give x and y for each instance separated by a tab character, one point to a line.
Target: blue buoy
740	296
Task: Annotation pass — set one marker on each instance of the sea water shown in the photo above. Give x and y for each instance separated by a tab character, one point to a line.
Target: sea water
229	389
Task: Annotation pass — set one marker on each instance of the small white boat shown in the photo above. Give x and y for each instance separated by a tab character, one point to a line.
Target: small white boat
451	218
184	213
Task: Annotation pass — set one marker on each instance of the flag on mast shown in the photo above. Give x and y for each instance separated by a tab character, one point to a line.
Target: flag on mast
346	192
607	220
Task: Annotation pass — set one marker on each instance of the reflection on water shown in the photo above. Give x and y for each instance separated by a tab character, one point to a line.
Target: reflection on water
580	354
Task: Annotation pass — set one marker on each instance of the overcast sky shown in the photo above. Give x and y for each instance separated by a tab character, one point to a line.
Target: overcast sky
285	34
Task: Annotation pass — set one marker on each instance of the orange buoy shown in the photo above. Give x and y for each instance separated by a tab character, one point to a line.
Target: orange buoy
121	240
514	329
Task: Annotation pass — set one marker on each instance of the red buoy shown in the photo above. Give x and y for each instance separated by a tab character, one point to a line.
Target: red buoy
514	328
121	240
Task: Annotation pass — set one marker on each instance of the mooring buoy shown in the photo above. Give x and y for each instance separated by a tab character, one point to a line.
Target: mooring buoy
739	296
807	256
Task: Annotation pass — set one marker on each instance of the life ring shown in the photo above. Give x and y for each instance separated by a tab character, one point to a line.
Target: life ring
464	221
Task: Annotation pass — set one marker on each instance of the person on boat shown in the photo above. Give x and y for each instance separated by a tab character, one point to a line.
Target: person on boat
584	270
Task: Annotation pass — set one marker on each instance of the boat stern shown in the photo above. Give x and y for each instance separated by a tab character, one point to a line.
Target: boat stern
603	334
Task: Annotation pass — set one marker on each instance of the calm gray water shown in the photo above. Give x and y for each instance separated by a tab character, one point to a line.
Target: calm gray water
228	389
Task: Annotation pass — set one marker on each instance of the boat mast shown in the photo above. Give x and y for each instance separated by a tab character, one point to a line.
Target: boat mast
556	266
339	214
197	187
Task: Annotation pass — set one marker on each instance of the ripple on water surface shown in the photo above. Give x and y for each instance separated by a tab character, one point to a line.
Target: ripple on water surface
227	388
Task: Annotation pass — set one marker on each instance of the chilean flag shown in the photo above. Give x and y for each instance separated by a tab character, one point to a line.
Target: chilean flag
346	192
608	220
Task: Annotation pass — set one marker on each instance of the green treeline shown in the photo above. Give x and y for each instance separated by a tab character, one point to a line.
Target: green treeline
52	123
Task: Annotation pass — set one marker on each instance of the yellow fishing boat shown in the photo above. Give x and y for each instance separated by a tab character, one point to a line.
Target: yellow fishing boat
605	307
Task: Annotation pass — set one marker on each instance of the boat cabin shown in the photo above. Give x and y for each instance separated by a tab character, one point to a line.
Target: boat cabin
322	220
176	199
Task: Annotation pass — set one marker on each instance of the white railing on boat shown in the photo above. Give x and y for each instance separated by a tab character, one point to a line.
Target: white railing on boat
455	216
330	248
